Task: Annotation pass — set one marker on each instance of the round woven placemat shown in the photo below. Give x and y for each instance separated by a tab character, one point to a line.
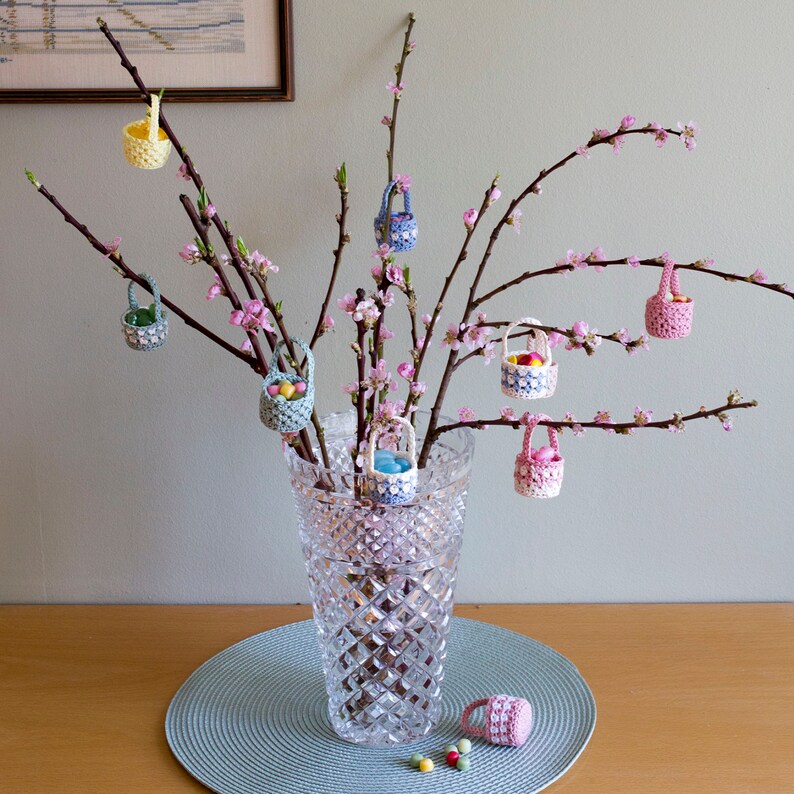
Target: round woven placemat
252	720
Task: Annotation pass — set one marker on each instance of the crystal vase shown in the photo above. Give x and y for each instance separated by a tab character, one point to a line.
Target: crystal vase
382	580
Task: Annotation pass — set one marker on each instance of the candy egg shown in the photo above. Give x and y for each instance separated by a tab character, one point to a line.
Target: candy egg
463	764
512	360
426	765
403	463
415	759
286	389
544	454
295	396
681	299
272	390
382	455
452	757
536	360
464	746
300	387
280	398
388	467
450	748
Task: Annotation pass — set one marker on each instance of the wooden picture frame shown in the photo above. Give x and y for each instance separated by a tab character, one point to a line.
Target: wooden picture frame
253	38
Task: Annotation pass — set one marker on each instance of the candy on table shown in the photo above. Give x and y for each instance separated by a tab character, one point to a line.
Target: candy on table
449	749
415	759
452	757
426	765
544	454
464	746
463	764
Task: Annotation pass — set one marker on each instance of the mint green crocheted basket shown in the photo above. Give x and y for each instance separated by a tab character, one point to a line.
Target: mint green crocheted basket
146	337
288	416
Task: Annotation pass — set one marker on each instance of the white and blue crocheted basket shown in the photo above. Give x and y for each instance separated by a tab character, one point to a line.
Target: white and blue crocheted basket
524	382
393	489
402	226
145	337
288	416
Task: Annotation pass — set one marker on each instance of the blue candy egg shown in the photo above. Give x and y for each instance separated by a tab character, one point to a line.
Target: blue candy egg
382	455
403	463
388	467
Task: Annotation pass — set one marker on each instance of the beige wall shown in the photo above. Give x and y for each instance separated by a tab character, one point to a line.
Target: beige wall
131	477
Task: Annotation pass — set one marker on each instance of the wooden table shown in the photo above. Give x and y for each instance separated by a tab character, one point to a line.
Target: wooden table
691	698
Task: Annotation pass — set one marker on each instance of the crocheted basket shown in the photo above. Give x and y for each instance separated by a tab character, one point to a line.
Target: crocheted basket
145	144
540	479
144	337
524	382
508	720
402	227
287	416
393	489
666	319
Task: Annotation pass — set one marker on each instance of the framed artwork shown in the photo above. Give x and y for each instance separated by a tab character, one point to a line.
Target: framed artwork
198	50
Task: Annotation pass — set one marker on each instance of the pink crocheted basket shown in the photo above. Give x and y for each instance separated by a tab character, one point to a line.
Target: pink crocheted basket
666	319
539	479
508	720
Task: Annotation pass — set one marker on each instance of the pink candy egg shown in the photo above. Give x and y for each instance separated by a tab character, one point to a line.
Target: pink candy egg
300	387
543	454
272	390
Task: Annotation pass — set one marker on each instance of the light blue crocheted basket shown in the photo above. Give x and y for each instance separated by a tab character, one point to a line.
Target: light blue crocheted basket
393	489
402	228
288	416
146	337
524	382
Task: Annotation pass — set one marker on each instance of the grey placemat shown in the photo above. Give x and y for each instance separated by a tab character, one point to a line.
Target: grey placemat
252	720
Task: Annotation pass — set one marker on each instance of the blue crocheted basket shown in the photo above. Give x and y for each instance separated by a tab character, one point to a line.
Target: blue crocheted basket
144	337
402	228
393	489
524	382
287	416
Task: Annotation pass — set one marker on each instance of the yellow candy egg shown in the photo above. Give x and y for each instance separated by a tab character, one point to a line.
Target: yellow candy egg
426	765
287	390
512	360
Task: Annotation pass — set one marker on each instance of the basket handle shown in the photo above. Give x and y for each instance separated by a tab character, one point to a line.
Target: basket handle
527	321
384	205
532	422
376	431
133	301
307	351
467	712
154	118
669	280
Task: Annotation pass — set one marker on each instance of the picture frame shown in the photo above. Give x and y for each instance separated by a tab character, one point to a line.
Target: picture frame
198	50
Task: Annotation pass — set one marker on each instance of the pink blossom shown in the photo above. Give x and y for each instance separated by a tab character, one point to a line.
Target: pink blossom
190	253
580	328
402	182
597	254
555	339
350	388
602	418
493	195
633	261
476	336
347	304
451	336
639	344
386	121
327	324
576	428
470	218
395	274
617	143
411	46
209	211
623	336
758	276
417	388
386	298
215	289
379	379
182	172
489	353
426	319
385	334
406	370
396	89
507	413
262	263
537	190
466	414
246	346
727	424
583	151
642	417
577	259
387	410
252	316
627	122
660	134
377	272
367	311
600	134
514	219
688	134
420	342
382	251
113	247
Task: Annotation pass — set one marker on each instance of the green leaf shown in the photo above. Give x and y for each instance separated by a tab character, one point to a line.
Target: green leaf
241	247
32	179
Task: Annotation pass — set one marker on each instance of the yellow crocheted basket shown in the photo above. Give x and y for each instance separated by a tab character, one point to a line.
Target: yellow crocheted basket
145	144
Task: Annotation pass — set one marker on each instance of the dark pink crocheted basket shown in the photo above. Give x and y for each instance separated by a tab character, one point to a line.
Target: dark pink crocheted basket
667	319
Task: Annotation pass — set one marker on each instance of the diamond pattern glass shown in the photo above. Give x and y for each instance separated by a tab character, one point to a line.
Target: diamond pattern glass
382	580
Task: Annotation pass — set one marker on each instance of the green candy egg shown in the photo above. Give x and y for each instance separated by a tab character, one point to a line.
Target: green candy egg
280	398
463	763
450	748
143	318
415	759
464	746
